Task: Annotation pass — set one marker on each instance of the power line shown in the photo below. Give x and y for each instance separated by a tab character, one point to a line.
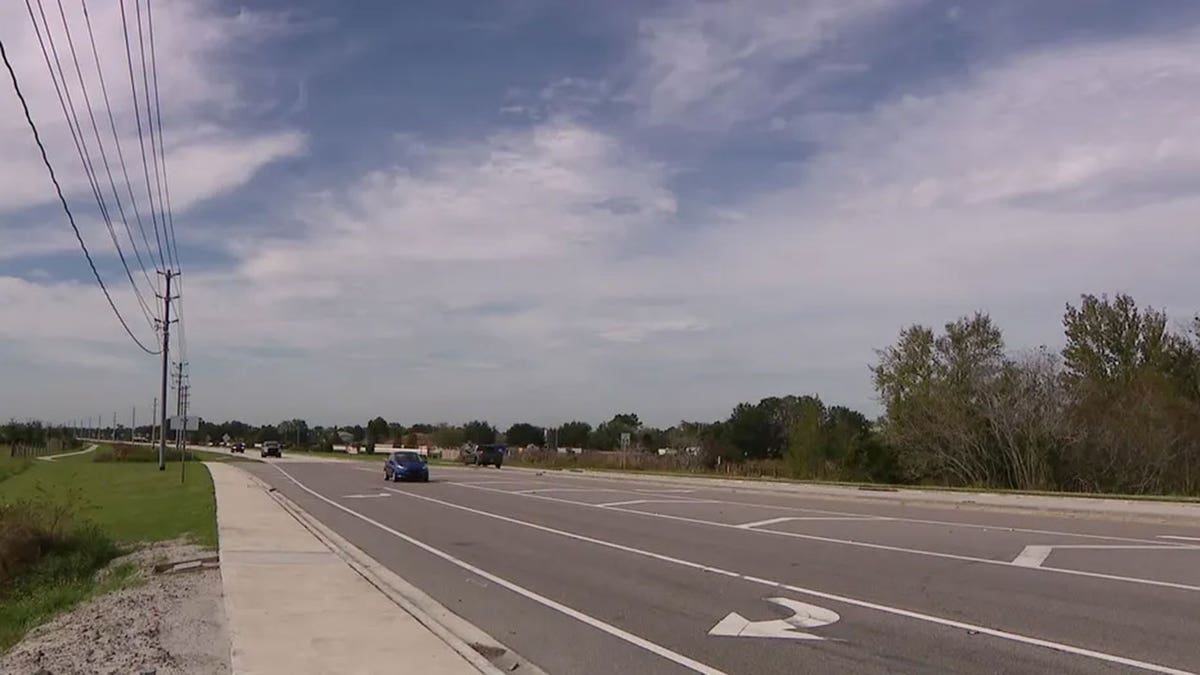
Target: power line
137	5
166	184
120	153
161	150
141	138
66	209
104	158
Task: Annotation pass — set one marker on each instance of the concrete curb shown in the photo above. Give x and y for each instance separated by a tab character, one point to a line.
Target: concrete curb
1095	507
481	650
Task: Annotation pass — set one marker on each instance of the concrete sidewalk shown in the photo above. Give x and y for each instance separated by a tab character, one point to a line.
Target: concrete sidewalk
294	606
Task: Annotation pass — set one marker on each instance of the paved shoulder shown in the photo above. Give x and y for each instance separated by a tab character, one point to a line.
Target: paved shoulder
294	606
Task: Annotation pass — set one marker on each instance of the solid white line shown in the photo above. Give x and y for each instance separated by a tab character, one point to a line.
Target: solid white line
631	502
520	590
1004	635
760	523
901	519
535	490
864	544
1175	536
1033	556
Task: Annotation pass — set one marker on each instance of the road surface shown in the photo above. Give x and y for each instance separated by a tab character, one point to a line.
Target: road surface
581	573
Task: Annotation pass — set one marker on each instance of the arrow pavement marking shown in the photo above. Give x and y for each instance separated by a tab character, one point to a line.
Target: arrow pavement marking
803	615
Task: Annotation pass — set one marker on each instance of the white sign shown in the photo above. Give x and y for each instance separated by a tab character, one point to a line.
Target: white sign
803	615
178	422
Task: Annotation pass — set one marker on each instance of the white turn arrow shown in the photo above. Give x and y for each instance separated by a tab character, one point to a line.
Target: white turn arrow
803	615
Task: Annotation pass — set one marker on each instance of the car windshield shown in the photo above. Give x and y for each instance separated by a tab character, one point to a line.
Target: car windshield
406	457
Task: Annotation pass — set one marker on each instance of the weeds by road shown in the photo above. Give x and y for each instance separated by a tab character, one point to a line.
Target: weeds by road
62	521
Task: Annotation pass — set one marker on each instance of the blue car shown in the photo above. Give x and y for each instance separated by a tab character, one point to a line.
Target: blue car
406	465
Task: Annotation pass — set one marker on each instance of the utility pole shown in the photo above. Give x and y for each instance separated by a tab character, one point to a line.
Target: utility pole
183	397
133	424
166	362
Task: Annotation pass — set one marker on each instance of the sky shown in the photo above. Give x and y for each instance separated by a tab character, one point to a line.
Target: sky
525	210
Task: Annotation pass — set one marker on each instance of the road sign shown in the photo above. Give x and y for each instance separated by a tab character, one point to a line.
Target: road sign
803	615
625	438
187	423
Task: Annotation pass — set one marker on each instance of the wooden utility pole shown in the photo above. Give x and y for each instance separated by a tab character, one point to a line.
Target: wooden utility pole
166	362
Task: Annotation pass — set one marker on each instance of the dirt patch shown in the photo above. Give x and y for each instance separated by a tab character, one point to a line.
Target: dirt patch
165	623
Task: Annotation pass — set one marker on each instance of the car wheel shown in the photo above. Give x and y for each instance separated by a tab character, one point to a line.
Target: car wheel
425	479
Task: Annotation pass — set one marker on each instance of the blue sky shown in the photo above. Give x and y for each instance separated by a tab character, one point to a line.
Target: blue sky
531	210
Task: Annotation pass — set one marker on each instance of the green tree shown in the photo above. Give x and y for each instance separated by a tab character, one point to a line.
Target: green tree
522	434
574	434
377	430
1111	341
447	436
479	432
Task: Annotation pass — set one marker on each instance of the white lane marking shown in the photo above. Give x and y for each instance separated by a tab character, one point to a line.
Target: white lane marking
900	519
668	490
631	502
649	646
553	489
1034	556
865	544
1175	536
761	523
994	632
371	496
803	615
785	519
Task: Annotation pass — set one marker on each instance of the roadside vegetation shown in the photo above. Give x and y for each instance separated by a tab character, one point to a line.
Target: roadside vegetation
62	522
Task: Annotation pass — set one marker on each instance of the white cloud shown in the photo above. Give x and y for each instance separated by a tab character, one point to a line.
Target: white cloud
717	63
195	43
1088	127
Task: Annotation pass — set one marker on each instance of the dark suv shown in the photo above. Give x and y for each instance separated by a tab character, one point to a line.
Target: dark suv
483	455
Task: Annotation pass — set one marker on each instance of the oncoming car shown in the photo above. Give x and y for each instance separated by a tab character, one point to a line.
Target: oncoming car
406	465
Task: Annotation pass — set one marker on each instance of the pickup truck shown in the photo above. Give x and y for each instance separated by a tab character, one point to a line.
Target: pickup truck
483	455
271	449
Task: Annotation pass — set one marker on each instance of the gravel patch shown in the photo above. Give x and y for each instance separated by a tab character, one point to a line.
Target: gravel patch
166	623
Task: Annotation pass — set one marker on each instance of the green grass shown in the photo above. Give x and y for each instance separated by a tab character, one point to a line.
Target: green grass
63	521
11	466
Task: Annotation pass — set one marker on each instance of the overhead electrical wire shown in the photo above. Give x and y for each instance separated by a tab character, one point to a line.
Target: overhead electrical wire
63	200
107	169
137	4
120	152
181	334
77	135
141	137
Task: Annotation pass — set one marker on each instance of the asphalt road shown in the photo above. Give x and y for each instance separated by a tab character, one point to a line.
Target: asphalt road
599	574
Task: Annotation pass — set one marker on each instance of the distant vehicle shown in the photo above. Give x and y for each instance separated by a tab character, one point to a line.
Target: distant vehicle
237	447
271	449
405	465
483	455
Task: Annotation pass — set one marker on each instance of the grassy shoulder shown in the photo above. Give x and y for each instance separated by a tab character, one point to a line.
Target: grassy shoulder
62	522
11	466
